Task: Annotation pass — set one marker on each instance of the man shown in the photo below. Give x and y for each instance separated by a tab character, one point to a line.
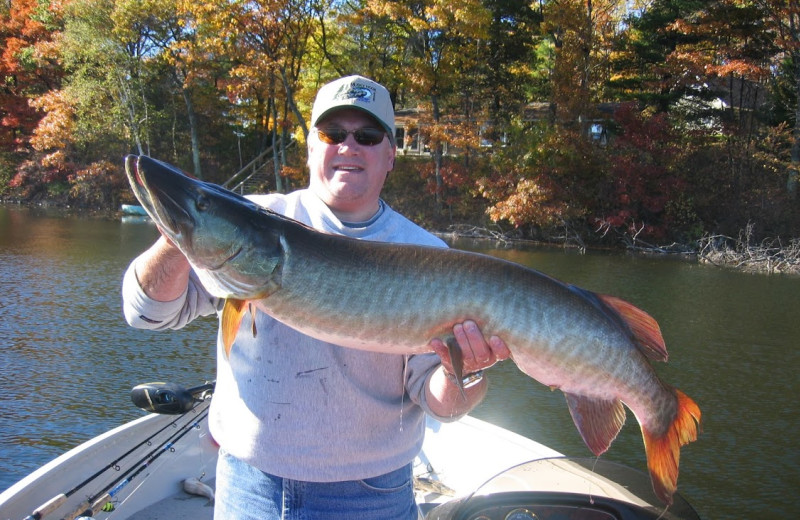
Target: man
308	429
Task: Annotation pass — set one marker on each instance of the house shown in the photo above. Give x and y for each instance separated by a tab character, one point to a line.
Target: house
410	126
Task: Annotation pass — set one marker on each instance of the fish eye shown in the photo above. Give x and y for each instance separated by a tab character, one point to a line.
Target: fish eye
202	203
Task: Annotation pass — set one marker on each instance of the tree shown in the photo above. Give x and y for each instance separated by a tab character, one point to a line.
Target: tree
732	53
102	89
266	43
644	173
639	60
165	29
358	39
582	32
783	18
442	43
511	61
520	184
27	65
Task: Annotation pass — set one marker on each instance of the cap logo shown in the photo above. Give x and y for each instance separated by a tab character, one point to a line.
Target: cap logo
357	92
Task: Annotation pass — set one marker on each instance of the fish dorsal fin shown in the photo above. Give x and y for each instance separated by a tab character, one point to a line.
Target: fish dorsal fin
645	329
232	314
598	421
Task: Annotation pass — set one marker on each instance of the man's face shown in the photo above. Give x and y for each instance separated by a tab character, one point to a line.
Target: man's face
349	176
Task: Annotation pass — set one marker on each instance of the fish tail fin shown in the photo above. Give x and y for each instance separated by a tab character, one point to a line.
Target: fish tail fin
663	451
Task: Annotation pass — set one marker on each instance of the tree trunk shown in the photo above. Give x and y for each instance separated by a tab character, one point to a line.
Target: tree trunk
276	165
290	98
127	99
437	156
187	98
794	167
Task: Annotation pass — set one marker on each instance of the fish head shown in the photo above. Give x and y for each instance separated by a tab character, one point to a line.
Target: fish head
230	241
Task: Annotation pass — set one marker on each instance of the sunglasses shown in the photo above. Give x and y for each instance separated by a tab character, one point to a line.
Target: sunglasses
364	136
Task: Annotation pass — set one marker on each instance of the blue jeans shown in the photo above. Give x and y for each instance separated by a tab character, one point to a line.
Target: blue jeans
246	493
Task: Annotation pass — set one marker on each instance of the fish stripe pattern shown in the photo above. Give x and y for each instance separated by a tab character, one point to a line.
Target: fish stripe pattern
396	298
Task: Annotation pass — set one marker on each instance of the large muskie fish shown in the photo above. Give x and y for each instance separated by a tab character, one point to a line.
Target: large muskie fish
395	298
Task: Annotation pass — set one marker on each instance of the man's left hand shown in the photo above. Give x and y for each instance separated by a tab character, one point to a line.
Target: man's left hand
477	353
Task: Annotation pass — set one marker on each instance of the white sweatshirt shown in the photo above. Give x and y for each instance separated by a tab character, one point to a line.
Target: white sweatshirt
297	407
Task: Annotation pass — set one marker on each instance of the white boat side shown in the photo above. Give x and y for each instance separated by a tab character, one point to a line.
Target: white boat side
153	454
147	482
133	209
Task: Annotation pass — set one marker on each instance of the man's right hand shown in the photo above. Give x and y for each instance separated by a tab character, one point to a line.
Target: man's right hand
163	271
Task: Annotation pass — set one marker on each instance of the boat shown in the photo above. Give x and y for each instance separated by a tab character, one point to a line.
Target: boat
133	209
140	471
134	214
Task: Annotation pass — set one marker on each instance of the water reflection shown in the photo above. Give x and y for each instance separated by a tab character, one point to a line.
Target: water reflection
67	359
731	338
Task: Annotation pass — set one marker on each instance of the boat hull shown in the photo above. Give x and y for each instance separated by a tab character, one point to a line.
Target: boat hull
146	461
161	468
134	210
195	455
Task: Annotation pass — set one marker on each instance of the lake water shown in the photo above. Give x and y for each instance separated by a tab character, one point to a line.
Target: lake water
68	360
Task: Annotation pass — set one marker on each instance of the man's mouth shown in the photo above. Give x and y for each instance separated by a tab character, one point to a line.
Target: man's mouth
348	168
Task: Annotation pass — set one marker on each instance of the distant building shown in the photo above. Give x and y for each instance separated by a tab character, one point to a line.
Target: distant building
411	122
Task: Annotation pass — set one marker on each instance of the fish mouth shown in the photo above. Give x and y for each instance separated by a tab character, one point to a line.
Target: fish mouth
224	262
137	183
172	199
159	202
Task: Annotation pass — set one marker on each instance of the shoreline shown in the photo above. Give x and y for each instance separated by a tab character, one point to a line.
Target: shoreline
770	257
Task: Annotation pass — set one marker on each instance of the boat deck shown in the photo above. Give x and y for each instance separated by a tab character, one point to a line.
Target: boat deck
180	506
183	506
156	489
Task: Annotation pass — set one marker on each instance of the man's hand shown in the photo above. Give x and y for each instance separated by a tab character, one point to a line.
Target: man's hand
444	395
476	353
163	271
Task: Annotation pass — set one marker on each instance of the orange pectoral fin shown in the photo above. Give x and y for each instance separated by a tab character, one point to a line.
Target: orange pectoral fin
664	451
232	314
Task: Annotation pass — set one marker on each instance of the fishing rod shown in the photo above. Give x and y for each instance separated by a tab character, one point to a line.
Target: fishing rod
94	504
162	398
49	506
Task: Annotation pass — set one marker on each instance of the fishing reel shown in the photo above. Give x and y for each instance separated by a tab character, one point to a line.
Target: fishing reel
169	398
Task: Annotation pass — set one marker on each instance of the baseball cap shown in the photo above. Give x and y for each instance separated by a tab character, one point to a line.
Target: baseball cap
355	92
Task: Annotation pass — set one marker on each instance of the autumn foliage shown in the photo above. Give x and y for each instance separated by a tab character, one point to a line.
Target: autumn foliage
658	120
645	173
26	66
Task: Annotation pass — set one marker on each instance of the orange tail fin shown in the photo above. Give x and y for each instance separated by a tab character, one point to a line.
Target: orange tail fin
663	453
